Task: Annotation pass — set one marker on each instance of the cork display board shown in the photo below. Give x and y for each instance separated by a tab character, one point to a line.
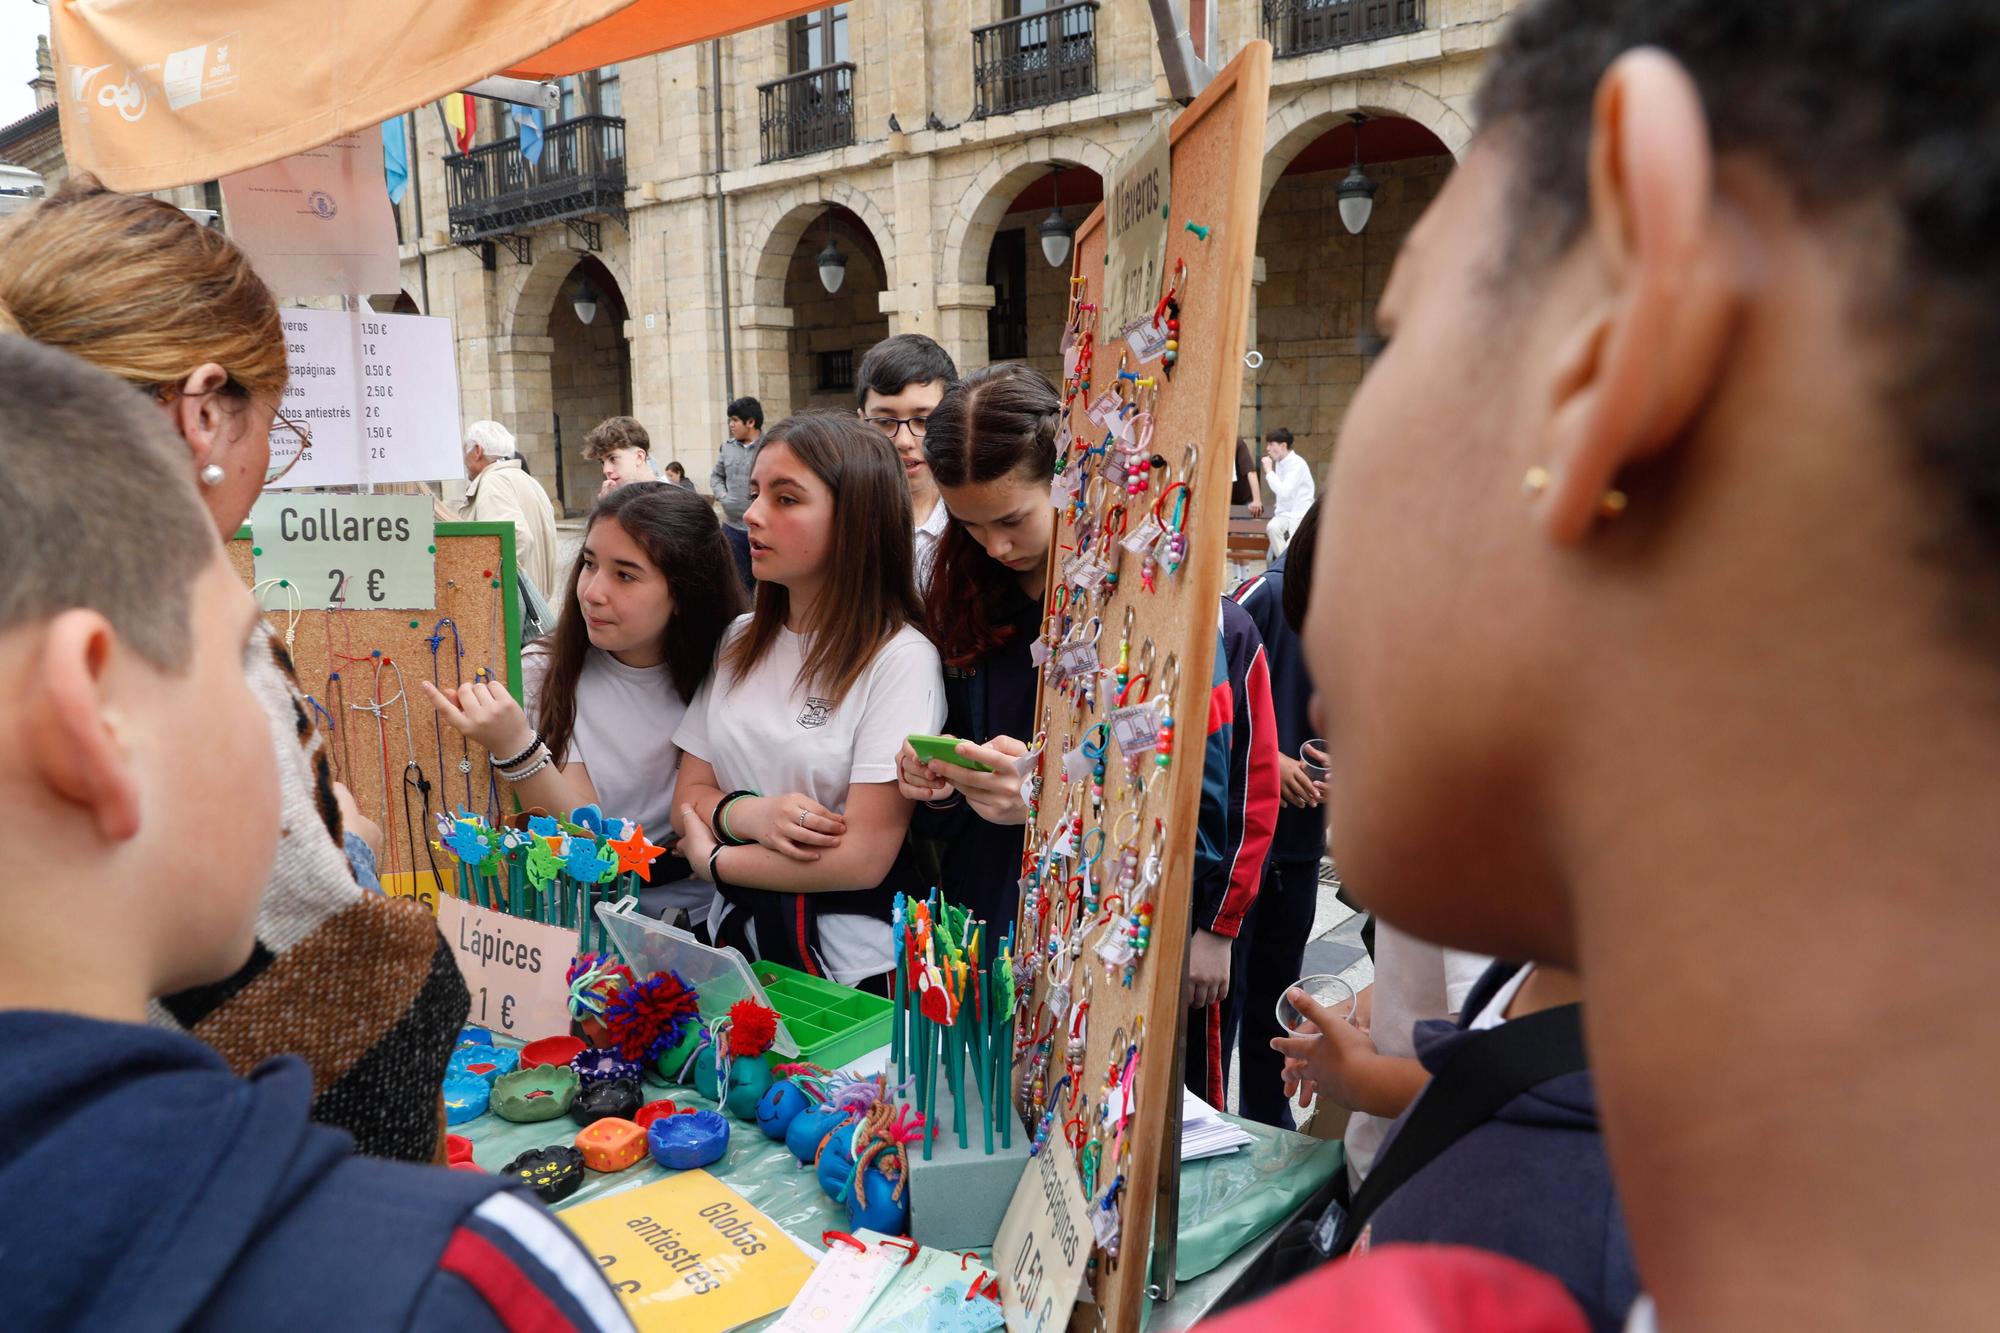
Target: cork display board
1097	848
361	669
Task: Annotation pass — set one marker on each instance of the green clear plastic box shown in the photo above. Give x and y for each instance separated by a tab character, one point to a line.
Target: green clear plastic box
820	1022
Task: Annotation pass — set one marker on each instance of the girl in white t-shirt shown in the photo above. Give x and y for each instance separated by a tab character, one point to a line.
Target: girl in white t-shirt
788	801
649	598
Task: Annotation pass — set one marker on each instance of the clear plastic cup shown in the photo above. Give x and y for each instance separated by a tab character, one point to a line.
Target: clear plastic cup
1313	755
1328	990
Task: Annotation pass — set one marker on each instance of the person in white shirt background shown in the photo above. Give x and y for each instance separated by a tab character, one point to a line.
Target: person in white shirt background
900	381
788	801
1292	488
649	597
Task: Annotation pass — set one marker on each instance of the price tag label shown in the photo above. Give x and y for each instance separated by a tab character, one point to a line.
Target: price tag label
1038	652
513	968
1062	491
1089	572
1076	767
1143	538
347	552
1137	728
1072	355
1079	658
1146	337
1043	1246
1104	409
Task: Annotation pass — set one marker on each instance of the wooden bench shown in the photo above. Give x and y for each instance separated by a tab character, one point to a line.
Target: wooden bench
1248	542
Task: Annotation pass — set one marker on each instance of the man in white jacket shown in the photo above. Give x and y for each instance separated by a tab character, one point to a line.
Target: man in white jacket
1292	488
503	492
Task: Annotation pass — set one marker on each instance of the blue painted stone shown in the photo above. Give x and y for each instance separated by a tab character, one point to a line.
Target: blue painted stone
465	1099
883	1213
749	1080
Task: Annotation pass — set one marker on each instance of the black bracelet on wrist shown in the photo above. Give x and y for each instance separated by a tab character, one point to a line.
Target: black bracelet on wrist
719	823
535	740
714	875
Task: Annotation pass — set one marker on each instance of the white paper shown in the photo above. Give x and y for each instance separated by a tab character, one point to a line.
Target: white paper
318	224
1205	1133
379	395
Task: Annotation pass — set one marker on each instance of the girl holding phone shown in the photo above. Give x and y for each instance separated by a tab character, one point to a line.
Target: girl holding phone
788	800
991	448
650	595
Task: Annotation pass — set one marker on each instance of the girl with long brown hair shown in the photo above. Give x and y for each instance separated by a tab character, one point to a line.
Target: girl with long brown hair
649	596
991	447
788	800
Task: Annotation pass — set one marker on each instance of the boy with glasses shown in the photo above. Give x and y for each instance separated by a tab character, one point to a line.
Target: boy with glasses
900	381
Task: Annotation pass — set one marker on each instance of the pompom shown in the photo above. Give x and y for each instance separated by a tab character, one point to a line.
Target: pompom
752	1028
648	1018
593	979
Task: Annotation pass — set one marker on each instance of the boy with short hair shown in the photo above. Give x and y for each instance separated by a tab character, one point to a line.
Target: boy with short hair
1292	487
729	482
623	447
148	1184
900	381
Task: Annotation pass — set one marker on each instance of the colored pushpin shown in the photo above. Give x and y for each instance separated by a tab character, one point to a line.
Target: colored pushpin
1197	229
256	550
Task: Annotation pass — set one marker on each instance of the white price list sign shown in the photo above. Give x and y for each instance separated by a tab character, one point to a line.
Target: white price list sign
377	393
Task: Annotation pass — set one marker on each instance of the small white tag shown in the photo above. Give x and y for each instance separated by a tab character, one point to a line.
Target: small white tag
1038	652
1142	539
1120	427
1146	338
1075	659
1104	409
1062	490
1076	767
1137	728
1088	573
1072	354
1065	844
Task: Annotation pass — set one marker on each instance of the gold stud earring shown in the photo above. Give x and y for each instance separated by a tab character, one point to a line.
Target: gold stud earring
1613	504
1534	482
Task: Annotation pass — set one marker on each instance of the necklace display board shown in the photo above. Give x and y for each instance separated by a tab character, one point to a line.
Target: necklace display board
1128	650
361	668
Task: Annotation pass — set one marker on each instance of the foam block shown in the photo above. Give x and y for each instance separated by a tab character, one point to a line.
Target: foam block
959	1196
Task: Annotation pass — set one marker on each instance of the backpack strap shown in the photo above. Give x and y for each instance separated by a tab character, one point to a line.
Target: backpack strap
1489	1069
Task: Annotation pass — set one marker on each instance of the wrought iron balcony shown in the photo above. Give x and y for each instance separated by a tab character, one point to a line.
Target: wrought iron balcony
1300	27
1035	59
497	195
808	112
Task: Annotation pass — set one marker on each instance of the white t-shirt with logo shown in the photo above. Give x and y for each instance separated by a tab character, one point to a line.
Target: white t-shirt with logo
626	718
767	732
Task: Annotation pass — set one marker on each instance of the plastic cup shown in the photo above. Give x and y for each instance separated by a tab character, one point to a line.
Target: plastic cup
1328	990
1313	755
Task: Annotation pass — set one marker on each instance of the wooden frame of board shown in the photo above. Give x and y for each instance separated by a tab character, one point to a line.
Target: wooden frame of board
1216	148
478	591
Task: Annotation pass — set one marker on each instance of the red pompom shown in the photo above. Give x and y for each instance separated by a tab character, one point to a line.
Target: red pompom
752	1028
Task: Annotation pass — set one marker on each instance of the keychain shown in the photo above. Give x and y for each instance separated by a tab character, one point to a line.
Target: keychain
1170	309
1170	679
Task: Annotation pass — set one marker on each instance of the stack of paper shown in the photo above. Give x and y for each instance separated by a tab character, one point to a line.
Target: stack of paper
1206	1134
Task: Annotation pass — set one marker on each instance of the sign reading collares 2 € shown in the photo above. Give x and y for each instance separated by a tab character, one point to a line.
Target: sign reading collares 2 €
349	552
1136	215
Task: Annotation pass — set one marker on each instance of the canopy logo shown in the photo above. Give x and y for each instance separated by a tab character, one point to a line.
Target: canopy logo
128	98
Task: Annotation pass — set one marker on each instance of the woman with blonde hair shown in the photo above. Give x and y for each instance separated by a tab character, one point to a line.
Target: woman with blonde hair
138	288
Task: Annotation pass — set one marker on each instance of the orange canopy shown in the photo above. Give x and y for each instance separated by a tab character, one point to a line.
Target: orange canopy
157	93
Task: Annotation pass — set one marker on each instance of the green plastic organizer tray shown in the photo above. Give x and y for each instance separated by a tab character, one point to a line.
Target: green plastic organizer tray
831	1023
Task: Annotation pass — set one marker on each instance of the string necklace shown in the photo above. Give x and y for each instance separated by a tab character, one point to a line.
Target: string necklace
437	722
294	607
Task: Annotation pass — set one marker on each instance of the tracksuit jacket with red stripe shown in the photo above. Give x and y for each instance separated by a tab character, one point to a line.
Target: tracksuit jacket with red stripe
1239	779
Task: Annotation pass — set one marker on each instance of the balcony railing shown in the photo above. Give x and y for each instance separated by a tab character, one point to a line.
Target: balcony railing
1035	59
808	112
494	193
1300	27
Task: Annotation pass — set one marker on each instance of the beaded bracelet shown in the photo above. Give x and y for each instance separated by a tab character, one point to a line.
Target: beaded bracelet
530	770
534	741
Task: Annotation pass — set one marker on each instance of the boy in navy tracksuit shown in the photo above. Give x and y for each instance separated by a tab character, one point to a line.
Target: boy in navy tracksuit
145	1185
1239	809
1283	919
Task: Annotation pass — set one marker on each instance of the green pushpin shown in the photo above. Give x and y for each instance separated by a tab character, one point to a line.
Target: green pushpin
256	550
1197	229
1166	211
413	624
432	549
496	583
284	583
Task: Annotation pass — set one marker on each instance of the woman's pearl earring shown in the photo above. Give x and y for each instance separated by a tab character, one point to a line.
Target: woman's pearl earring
211	475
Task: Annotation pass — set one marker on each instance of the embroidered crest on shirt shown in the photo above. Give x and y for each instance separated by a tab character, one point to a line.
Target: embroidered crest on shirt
817	711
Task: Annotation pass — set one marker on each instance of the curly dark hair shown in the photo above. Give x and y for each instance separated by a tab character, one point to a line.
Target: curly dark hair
1856	106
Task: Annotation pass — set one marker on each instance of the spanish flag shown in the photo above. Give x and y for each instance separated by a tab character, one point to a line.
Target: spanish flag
463	118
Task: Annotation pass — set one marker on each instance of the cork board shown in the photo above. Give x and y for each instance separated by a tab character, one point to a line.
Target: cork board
1217	150
477	592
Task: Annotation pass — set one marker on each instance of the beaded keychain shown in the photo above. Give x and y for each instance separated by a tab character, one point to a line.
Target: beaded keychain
437	723
1172	547
1170	679
1091	875
1170	308
1095	753
1125	652
1135	721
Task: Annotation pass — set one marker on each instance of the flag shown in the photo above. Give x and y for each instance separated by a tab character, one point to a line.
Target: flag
395	159
463	118
528	126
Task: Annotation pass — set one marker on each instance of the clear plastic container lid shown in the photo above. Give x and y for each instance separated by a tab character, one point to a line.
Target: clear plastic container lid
720	977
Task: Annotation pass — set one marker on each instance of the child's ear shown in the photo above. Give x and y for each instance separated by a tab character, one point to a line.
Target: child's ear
72	728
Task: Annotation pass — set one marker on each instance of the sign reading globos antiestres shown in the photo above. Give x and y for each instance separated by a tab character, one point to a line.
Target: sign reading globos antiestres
347	552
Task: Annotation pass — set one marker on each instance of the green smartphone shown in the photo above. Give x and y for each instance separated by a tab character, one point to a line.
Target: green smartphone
944	750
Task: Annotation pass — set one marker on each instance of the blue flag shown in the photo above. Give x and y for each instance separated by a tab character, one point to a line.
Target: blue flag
395	159
528	127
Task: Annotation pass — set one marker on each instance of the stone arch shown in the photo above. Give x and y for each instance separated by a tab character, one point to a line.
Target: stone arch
775	236
530	294
976	217
1317	109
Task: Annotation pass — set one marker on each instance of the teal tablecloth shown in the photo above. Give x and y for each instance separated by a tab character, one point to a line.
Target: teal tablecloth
1226	1202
